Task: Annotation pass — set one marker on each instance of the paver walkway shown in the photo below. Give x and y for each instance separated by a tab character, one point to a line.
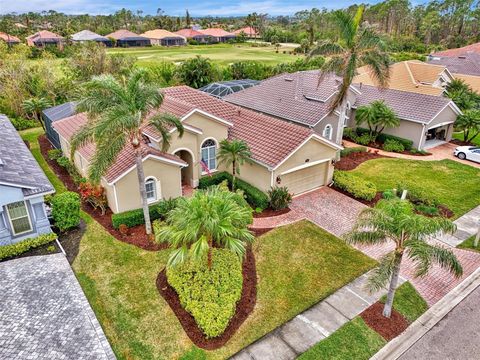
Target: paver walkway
44	313
313	325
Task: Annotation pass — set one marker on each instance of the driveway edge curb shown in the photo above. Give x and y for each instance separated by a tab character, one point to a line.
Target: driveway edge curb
395	348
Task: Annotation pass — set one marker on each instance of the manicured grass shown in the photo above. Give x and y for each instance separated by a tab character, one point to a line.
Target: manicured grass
468	244
222	54
408	302
459	136
453	184
354	340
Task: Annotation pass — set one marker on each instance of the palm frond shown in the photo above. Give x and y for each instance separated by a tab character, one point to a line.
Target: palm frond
178	256
82	137
106	153
163	123
326	48
381	275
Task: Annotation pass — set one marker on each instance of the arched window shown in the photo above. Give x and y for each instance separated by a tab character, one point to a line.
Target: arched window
151	189
209	154
327	132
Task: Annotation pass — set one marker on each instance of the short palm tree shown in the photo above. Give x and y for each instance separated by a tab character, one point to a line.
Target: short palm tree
34	107
210	217
395	220
117	111
234	153
469	123
358	45
377	115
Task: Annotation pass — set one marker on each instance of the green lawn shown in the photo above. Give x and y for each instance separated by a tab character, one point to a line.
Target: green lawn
356	340
222	54
459	136
468	244
451	183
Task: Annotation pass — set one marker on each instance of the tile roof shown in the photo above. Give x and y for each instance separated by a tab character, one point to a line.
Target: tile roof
470	80
216	32
407	105
468	64
17	165
473	48
87	35
414	76
9	38
160	34
122	34
296	97
248	30
126	158
43	34
190	33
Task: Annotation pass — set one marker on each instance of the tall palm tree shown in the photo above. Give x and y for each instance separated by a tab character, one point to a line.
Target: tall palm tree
357	45
117	110
210	217
395	220
34	107
235	153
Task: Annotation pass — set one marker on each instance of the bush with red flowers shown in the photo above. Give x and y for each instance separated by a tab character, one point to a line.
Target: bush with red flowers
94	195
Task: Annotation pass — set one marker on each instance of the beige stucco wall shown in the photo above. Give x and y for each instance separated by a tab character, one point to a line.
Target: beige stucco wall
446	116
255	174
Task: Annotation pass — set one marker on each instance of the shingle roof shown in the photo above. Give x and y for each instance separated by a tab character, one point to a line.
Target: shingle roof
17	165
9	38
161	34
190	33
473	48
60	111
216	32
87	35
296	97
407	105
467	64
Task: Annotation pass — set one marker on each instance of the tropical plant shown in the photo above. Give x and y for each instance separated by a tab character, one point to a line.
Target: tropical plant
395	220
117	111
210	217
33	107
377	115
358	45
279	197
197	72
234	153
463	95
469	123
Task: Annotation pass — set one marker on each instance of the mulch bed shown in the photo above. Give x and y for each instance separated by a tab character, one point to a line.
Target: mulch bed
271	213
260	231
244	306
461	142
134	236
388	328
370	203
352	160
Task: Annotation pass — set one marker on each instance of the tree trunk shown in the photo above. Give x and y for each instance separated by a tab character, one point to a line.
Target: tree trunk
341	121
143	192
387	309
234	175
209	255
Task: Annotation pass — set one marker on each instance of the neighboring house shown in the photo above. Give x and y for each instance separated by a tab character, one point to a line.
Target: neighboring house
249	32
299	98
164	38
223	88
427	120
218	34
283	154
125	38
87	35
44	38
53	114
9	39
192	34
302	99
412	75
23	186
469	49
464	67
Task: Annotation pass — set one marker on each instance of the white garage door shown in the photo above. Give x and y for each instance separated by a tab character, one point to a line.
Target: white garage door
305	179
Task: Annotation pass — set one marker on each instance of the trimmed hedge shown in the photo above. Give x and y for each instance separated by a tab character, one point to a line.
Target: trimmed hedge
210	295
135	217
8	251
351	150
382	138
355	186
255	197
393	146
66	210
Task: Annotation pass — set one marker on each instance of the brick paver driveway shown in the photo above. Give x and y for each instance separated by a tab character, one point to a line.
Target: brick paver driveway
44	313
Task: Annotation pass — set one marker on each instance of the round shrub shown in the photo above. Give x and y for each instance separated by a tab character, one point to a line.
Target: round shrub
393	146
66	210
209	295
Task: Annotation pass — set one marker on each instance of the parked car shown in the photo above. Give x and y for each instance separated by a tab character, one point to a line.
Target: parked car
468	153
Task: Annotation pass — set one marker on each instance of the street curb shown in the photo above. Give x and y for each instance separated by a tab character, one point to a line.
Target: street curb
395	348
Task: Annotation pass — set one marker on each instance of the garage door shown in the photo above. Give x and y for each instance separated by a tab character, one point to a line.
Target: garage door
305	179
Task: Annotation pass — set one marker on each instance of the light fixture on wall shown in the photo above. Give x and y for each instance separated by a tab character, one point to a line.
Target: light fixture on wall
278	180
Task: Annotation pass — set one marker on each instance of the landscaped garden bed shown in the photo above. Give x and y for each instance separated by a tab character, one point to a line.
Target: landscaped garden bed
354	156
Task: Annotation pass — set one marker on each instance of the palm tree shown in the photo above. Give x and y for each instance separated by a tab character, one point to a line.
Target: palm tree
358	45
469	123
235	153
395	220
34	107
377	115
210	217
117	111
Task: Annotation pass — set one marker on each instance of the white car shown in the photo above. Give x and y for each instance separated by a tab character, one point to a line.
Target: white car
468	153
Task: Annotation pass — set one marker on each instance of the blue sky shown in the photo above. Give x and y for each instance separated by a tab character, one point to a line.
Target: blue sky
195	7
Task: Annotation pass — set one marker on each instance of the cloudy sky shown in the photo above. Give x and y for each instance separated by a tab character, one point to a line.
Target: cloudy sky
196	8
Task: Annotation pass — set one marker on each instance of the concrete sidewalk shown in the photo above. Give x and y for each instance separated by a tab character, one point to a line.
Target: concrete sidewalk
315	324
467	225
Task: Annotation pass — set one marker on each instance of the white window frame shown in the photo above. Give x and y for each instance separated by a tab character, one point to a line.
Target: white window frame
215	146
10	220
330	127
153	181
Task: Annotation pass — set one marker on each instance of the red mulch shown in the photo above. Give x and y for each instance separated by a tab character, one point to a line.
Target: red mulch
461	142
135	235
445	211
388	328
260	231
370	203
271	213
244	306
352	160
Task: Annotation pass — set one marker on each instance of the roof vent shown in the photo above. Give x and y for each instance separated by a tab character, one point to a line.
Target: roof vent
462	57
